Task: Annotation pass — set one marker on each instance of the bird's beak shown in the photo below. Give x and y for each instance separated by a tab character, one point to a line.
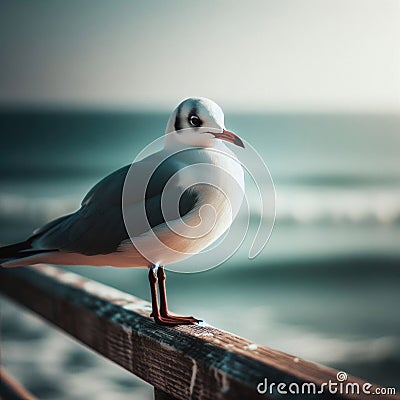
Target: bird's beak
229	137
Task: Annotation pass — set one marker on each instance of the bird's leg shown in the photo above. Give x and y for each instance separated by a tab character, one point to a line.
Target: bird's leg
163	300
153	290
158	318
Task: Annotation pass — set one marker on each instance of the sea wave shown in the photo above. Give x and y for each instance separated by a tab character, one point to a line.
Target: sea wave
293	207
333	206
18	208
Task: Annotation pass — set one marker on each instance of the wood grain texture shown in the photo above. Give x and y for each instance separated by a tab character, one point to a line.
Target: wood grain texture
160	395
186	362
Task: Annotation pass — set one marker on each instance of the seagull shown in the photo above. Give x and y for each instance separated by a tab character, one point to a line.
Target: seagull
109	229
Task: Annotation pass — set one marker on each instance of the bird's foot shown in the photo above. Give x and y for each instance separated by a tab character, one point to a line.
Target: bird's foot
166	314
174	320
190	320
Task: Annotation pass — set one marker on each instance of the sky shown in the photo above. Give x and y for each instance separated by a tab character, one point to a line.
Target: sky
273	55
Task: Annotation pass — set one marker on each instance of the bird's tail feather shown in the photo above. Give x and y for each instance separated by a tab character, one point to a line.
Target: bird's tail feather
18	250
12	250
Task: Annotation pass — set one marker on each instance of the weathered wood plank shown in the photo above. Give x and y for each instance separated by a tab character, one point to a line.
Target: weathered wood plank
186	362
160	395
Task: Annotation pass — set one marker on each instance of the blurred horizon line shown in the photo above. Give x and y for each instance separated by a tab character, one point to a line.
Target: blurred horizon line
161	107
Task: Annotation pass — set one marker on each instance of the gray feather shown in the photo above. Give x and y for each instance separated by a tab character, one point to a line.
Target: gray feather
98	226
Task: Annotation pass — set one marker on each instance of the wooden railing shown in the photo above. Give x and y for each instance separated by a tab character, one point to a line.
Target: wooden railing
185	362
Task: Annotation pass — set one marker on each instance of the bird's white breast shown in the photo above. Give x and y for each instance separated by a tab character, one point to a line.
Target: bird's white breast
217	178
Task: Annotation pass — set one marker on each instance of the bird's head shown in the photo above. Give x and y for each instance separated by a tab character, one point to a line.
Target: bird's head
198	122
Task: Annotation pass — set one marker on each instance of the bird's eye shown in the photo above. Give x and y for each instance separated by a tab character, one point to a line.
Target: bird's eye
194	120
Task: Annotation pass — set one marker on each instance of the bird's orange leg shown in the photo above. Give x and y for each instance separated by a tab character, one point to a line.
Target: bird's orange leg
164	312
160	319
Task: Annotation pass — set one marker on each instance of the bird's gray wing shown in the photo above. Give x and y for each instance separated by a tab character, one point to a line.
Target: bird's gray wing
98	226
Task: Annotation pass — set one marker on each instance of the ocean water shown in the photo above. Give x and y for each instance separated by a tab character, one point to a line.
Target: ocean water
325	288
